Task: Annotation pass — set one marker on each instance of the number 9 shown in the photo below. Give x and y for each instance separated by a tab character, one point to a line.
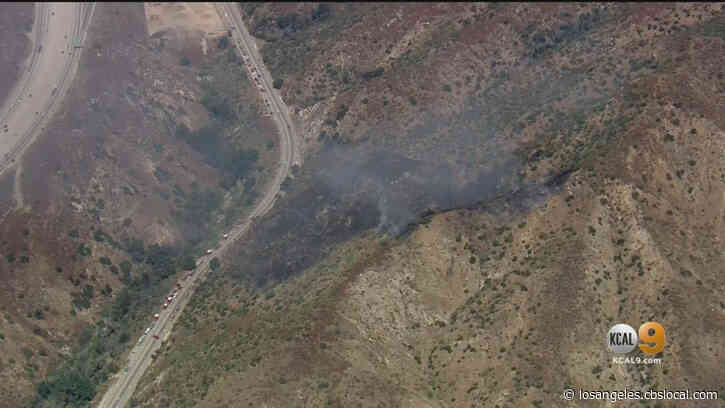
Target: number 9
651	343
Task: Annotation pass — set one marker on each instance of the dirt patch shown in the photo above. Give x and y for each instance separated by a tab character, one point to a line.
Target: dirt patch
16	21
186	16
186	27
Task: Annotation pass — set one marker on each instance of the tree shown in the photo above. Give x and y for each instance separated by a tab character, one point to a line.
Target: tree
368	75
122	306
214	264
223	43
136	249
99	235
188	263
125	267
161	259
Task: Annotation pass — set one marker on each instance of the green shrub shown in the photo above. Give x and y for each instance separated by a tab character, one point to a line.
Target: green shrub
83	300
184	61
341	112
104	260
368	75
188	263
223	43
83	250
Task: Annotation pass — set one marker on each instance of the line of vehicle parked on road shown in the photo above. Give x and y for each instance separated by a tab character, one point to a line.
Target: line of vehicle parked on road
170	298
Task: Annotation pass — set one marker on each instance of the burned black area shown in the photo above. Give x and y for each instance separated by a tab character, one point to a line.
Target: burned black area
355	191
299	233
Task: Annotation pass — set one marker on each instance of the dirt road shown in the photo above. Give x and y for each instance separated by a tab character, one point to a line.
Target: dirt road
58	33
121	390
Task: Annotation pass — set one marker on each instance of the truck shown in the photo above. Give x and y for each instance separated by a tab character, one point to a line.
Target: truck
209	251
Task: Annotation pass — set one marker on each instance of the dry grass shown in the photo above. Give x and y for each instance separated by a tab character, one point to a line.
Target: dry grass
489	306
96	168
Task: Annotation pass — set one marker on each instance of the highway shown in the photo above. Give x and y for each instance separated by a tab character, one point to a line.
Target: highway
122	388
46	77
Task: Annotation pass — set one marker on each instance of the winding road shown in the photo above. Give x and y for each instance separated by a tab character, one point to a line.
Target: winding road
59	31
124	384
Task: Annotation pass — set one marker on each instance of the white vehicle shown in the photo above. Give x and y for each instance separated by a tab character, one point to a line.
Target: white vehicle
148	329
156	316
209	251
226	236
166	305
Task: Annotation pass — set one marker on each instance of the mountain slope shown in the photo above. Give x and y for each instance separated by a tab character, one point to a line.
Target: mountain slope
576	151
139	168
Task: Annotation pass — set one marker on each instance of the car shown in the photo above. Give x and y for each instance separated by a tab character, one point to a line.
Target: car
226	236
209	251
156	316
148	329
166	305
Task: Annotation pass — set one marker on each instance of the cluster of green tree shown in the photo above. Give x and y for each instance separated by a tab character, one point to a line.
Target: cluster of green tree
219	105
544	41
199	205
74	382
271	28
368	75
83	299
234	163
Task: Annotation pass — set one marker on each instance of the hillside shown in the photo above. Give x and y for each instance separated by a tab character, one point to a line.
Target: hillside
158	147
487	190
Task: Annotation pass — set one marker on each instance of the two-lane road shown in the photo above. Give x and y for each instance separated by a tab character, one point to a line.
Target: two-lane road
58	34
121	390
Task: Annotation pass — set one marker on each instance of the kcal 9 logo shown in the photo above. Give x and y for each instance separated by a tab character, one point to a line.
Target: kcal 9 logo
650	337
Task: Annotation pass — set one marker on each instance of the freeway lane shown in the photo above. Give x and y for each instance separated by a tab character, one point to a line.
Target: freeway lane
121	390
48	74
